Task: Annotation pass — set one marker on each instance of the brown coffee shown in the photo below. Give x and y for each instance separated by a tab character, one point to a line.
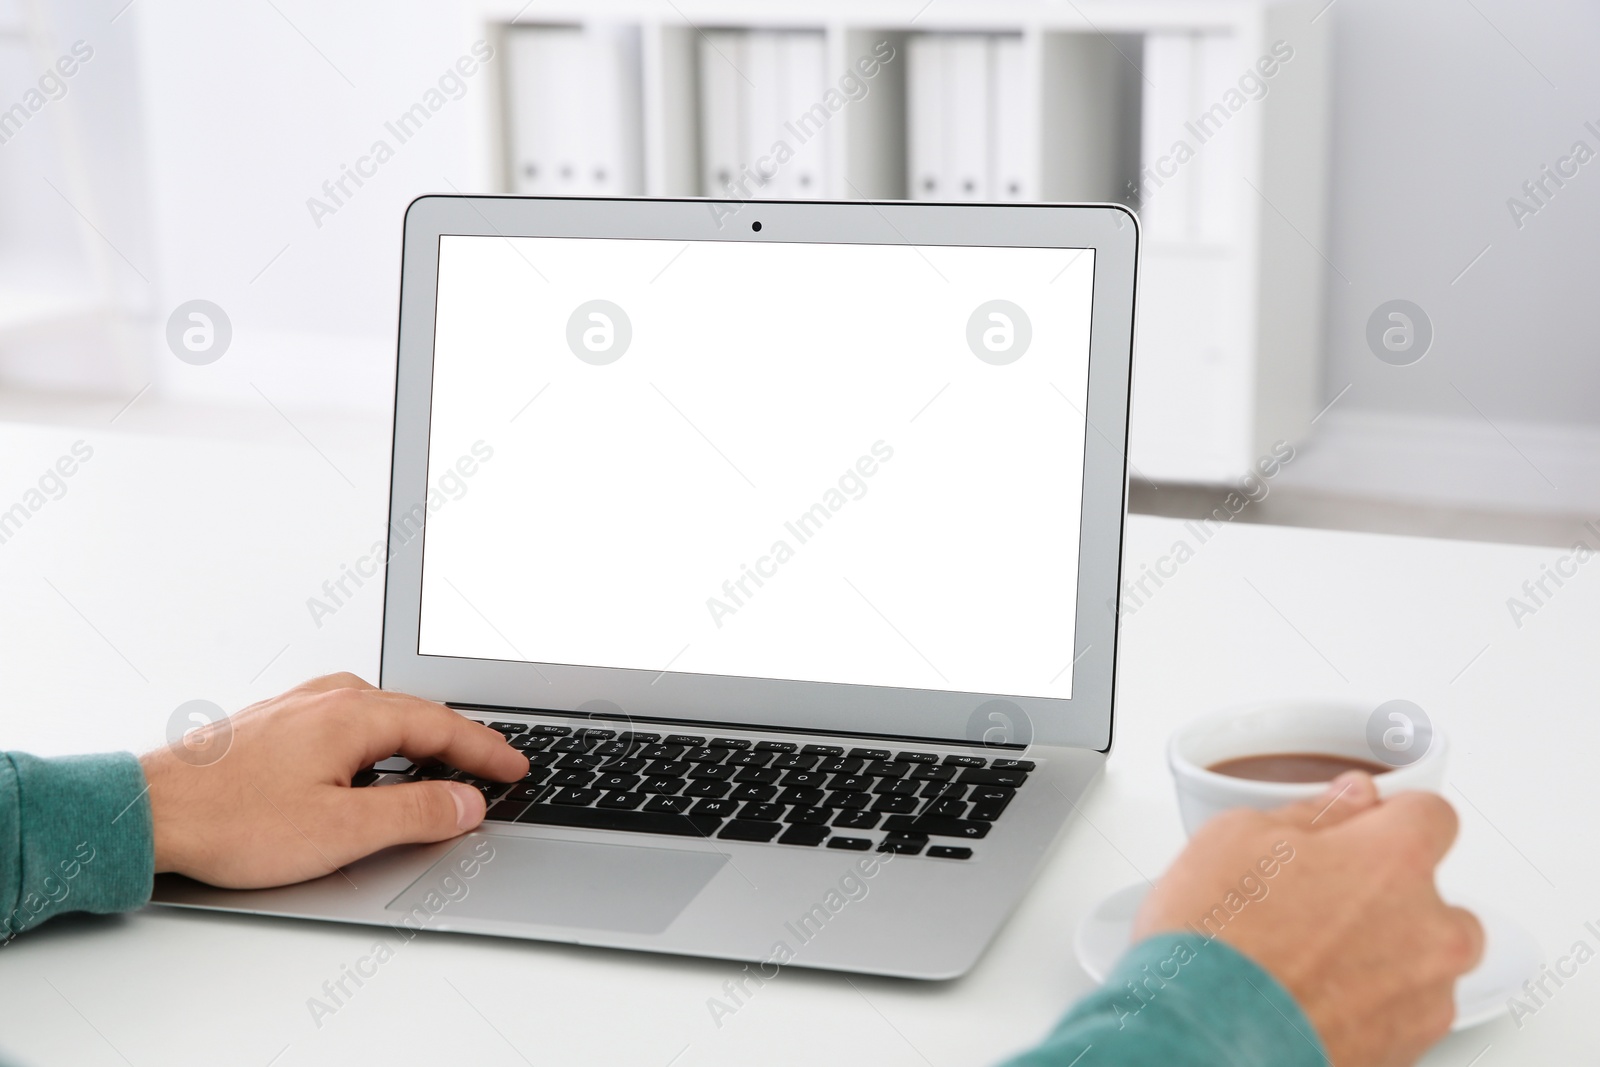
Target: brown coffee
1294	767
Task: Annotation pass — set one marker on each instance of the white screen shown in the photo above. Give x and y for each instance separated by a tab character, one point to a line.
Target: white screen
646	513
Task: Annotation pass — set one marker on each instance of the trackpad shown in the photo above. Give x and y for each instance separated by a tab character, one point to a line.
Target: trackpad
635	889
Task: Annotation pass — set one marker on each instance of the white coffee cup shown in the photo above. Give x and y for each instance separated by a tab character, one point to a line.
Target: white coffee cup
1396	734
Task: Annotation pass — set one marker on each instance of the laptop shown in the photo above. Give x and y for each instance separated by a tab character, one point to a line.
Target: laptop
784	539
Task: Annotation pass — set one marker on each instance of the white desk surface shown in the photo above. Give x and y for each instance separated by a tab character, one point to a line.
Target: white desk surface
177	566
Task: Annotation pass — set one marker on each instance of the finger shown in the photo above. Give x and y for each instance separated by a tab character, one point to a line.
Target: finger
420	730
1423	824
413	813
329	682
1347	795
1470	931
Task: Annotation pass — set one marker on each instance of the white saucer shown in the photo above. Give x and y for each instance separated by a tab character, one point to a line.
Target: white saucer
1510	954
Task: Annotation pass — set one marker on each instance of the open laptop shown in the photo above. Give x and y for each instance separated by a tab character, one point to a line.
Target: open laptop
784	538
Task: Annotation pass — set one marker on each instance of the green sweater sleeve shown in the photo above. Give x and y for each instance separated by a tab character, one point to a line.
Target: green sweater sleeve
74	836
1182	1000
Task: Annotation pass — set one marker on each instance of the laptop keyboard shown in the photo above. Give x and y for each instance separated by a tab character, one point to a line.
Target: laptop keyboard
736	789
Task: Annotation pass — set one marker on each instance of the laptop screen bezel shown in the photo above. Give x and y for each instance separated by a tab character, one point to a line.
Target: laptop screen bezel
652	695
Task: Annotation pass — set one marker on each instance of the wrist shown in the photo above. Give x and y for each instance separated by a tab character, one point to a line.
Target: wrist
163	778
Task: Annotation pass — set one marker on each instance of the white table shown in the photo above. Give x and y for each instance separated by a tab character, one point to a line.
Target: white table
178	564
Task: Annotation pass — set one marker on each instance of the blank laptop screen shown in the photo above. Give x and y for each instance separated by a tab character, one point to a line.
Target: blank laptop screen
818	462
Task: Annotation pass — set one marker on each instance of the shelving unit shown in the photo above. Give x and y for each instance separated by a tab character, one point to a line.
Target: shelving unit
1096	97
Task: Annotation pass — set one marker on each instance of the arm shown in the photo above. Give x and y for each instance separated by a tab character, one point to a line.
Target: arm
1308	935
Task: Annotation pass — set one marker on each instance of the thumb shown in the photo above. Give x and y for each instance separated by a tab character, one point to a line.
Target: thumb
415	812
1349	794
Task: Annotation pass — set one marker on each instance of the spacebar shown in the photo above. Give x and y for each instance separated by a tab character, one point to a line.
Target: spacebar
644	822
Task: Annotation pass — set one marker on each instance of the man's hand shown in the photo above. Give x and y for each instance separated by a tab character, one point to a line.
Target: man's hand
278	807
1351	924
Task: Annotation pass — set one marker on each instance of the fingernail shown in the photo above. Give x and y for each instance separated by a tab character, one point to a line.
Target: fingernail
466	815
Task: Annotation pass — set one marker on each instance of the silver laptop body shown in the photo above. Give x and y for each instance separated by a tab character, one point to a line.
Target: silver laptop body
768	475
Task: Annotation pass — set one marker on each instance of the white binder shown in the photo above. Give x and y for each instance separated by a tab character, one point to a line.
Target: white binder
1219	163
721	103
1008	121
925	116
1165	179
806	119
966	117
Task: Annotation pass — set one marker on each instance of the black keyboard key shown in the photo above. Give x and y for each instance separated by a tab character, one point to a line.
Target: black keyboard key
435	770
946	809
842	766
707	788
775	746
854	844
686	740
809	779
550	729
984	777
573	744
624	766
856	820
625	783
991	794
904	837
944	790
1012	764
760	812
362	779
800	815
852	801
705	755
621	799
573	779
949	852
589	733
529	742
613	750
794	763
518	728
964	761
646	822
895	787
749	759
916	757
542	759
669	768
746	830
926	772
719	808
575	797
800	796
663	752
895	805
579	763
713	771
855	783
901	848
676	805
728	742
870	753
666	786
986	812
491	790
505	811
887	769
804	835
753	792
928	824
757	775
525	792
634	737
822	750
